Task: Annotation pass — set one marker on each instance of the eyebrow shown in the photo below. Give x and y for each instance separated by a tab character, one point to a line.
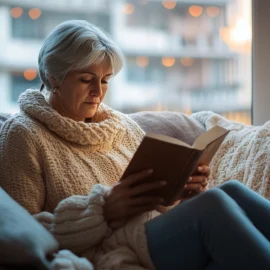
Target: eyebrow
94	73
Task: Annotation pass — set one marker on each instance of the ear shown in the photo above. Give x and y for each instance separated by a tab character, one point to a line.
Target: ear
53	81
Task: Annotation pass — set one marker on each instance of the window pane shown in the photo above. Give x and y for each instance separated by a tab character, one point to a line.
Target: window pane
181	55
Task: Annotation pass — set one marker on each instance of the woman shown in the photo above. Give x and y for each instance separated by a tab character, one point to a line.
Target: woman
66	142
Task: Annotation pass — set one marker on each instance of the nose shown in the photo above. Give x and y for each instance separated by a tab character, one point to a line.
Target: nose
96	89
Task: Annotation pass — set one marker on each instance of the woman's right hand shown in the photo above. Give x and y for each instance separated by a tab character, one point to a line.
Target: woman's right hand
126	198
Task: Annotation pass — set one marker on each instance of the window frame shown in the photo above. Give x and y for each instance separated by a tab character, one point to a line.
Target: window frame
260	61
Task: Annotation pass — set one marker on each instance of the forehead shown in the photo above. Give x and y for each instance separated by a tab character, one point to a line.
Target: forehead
101	69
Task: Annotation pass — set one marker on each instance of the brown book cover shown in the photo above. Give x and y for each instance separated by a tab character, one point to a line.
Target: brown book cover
174	160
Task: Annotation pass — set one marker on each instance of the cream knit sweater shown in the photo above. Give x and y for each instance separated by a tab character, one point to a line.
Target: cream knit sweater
45	158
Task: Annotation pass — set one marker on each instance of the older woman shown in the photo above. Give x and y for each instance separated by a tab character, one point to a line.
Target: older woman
66	142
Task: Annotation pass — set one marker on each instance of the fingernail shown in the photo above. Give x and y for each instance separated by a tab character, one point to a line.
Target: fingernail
163	183
185	186
190	179
200	168
150	171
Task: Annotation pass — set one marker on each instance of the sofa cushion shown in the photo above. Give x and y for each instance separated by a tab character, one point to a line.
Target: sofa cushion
23	240
174	124
244	154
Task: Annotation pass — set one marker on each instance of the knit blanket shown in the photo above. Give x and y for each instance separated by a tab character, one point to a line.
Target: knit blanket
244	155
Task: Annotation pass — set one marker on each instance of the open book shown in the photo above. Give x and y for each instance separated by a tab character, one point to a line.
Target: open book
174	160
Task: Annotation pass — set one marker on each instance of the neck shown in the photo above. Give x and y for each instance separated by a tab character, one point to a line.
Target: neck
60	108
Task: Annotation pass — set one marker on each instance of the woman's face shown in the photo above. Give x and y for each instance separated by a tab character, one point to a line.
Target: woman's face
81	93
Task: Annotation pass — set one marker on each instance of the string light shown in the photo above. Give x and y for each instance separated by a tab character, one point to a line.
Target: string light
16	12
213	11
128	8
195	11
186	61
169	4
34	13
142	61
30	74
168	61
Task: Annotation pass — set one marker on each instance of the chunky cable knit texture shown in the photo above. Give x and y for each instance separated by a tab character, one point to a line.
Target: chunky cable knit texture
79	225
45	158
244	155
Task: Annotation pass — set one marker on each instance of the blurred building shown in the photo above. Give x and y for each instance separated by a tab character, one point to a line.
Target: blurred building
181	55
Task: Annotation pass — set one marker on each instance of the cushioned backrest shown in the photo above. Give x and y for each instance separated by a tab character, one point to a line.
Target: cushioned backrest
23	240
174	124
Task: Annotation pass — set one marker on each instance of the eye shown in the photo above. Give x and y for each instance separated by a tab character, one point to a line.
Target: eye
104	82
86	81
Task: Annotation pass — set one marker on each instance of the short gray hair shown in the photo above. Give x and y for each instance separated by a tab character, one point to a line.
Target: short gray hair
75	45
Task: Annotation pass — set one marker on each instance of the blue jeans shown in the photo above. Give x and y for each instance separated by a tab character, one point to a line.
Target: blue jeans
224	228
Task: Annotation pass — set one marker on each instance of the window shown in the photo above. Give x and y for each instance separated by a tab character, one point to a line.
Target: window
19	82
180	55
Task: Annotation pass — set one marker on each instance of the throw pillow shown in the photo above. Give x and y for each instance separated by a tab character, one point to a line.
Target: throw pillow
23	241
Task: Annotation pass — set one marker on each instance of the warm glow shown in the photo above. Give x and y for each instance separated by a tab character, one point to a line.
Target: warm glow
186	62
34	13
168	61
16	12
213	11
224	34
242	117
169	4
238	36
128	8
30	74
142	61
195	11
241	32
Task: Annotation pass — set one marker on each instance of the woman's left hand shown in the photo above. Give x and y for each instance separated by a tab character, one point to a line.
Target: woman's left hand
197	183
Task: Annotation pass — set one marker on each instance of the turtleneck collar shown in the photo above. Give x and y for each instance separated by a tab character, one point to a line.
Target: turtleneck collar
101	132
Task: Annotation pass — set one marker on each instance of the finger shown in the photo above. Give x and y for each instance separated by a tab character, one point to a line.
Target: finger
193	187
197	179
142	188
204	170
135	178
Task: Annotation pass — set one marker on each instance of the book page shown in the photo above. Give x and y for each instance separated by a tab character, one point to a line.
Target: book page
167	139
209	136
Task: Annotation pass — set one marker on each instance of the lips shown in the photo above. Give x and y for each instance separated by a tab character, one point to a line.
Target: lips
91	102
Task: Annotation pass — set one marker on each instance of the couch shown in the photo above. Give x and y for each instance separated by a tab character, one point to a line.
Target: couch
25	244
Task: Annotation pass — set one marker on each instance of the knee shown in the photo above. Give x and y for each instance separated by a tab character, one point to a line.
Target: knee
213	197
231	186
216	201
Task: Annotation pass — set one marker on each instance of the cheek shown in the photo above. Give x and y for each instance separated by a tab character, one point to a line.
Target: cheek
105	89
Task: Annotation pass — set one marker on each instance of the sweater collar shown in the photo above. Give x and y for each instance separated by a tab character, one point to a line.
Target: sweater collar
104	128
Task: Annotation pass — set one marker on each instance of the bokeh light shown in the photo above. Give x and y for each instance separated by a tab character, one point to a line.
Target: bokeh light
128	8
169	4
142	61
30	74
34	13
168	61
16	12
195	11
213	11
186	61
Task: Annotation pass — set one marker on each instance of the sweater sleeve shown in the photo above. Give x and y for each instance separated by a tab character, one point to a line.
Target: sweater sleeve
78	222
20	170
